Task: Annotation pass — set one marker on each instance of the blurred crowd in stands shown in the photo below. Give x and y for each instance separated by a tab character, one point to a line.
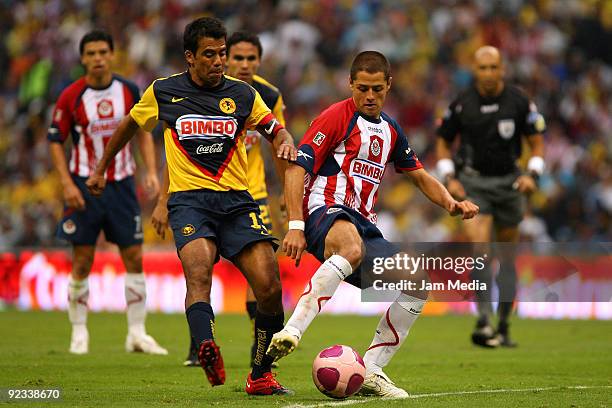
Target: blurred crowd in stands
558	51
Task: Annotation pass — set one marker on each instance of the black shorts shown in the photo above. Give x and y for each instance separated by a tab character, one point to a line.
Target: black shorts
230	218
116	212
495	195
320	222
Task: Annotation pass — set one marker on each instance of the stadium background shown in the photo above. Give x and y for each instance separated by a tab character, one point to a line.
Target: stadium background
555	50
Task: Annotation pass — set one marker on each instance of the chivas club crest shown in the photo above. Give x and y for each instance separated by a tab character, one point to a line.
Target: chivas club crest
375	147
105	109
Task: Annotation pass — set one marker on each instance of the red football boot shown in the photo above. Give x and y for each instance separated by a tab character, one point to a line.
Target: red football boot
212	362
266	385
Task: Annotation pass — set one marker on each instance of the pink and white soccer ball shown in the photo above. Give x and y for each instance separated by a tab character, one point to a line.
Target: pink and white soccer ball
338	371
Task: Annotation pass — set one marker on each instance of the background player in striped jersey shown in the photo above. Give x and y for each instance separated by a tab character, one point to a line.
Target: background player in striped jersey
88	111
341	160
243	58
205	116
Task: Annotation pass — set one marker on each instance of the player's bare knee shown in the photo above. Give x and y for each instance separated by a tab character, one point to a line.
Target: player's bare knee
352	252
132	258
80	270
81	265
269	296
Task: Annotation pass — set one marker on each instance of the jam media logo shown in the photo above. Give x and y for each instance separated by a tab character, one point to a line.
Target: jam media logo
205	127
105	109
367	170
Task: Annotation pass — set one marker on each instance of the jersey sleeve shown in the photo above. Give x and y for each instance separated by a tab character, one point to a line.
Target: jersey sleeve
259	111
403	157
146	111
534	122
134	91
62	120
278	108
319	140
450	125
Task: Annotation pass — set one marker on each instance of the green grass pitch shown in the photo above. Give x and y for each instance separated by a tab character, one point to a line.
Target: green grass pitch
558	363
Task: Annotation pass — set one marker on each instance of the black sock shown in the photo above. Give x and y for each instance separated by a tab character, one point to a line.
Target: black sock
483	297
201	321
265	327
502	328
251	308
192	346
506	282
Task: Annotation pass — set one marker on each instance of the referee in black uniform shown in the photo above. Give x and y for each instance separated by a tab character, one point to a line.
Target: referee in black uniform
490	118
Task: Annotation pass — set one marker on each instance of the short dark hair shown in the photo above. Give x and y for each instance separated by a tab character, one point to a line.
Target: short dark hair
202	27
240	36
370	62
96	35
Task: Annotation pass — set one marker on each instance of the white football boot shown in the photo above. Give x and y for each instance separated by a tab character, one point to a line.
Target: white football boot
143	343
79	341
283	343
380	385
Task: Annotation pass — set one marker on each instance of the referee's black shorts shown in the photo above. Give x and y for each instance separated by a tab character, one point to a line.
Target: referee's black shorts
495	195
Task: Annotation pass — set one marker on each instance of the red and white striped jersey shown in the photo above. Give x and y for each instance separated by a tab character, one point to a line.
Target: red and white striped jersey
90	116
345	154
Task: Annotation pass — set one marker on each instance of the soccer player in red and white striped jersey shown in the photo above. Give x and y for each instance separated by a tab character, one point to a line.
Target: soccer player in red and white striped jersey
331	191
88	112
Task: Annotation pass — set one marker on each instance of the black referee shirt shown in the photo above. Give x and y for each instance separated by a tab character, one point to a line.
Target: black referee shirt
491	129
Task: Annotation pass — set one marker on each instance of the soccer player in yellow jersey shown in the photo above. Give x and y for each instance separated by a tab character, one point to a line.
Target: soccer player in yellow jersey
243	59
205	116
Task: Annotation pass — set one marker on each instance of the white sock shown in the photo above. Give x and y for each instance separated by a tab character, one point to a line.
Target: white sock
391	332
319	290
136	300
78	295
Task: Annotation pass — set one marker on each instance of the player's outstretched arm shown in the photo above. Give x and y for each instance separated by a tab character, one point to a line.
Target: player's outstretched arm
147	148
159	217
446	169
435	191
284	146
294	243
124	132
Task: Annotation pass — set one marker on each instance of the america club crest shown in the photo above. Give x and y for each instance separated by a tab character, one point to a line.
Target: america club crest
505	127
105	109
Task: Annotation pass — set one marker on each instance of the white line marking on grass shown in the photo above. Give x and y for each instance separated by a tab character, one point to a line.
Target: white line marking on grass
446	394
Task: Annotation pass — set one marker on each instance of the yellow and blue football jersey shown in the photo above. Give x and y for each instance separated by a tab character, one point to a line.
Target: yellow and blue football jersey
256	171
204	129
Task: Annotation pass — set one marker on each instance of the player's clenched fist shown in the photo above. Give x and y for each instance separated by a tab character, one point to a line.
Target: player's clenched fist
96	183
294	245
466	208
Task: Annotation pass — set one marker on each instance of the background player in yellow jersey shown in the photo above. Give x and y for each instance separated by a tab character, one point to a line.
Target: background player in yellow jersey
205	116
244	53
